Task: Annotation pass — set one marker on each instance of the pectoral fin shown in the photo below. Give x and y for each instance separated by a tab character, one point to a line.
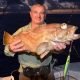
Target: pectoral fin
44	54
7	38
43	49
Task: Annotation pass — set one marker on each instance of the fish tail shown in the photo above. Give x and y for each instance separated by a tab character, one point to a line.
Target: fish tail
7	38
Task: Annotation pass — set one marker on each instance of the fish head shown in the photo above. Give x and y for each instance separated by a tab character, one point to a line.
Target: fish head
71	33
65	33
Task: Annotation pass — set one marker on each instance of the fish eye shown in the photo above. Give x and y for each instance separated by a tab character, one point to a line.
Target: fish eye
63	26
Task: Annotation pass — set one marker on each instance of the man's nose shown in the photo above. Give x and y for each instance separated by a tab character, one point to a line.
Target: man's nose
39	15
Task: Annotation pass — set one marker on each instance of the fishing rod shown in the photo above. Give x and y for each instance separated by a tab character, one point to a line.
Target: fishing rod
67	63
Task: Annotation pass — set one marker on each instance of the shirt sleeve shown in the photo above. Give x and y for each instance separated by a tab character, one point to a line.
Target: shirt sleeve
7	52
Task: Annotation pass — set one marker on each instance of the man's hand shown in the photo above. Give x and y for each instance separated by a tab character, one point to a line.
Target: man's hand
57	46
60	46
17	46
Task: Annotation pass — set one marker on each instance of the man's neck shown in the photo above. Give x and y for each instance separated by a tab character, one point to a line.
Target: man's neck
33	25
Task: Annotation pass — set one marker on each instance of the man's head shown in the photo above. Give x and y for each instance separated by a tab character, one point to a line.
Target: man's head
38	13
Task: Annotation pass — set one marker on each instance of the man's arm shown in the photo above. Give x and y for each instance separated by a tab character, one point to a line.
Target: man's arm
7	50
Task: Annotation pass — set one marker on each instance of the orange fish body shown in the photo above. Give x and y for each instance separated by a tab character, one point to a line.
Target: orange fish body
41	39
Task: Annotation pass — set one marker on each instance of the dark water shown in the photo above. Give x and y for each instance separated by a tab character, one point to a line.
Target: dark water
11	22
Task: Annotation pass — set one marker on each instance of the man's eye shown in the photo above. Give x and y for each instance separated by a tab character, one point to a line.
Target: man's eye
42	12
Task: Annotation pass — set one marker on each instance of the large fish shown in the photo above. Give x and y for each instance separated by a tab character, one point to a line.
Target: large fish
41	39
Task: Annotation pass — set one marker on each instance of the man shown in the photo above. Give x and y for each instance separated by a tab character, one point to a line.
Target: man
38	14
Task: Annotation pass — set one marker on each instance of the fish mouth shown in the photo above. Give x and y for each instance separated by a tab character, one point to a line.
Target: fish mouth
76	36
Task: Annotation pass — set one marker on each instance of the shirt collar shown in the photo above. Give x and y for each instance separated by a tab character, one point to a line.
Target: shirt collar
29	26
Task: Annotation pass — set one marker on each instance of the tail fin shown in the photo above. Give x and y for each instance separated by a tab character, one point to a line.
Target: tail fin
7	38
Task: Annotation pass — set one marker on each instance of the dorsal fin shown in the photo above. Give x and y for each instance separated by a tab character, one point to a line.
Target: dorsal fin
7	38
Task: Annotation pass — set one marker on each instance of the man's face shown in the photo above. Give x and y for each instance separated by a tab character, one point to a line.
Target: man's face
38	14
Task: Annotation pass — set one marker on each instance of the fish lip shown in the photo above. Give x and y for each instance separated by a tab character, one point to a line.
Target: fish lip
76	27
54	41
76	36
